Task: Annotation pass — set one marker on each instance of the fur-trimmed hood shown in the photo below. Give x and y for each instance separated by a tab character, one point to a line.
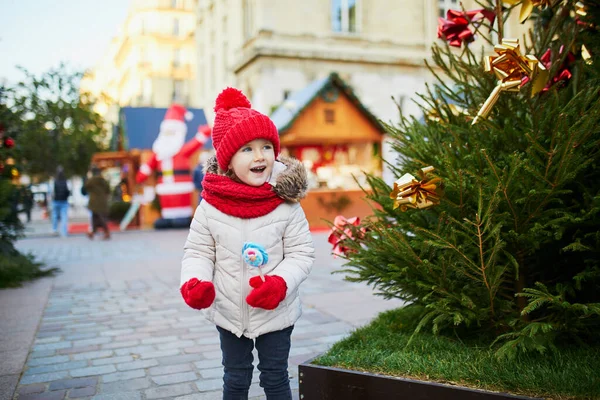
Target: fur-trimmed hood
291	184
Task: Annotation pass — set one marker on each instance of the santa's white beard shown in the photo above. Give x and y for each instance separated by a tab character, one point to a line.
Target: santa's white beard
166	146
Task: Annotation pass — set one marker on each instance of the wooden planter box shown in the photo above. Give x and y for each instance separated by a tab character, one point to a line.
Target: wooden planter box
328	383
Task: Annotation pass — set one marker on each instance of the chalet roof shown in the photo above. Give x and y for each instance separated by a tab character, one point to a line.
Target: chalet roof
140	126
285	115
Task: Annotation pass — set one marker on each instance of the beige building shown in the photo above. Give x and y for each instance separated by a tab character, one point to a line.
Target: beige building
152	60
270	48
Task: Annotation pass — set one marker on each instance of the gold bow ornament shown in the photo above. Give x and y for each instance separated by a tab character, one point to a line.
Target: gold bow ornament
510	67
455	110
408	192
527	7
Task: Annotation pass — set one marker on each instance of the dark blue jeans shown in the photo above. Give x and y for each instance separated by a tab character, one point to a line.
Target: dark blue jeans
273	351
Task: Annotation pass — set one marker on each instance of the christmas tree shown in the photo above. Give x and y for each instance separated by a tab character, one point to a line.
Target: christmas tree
501	237
14	266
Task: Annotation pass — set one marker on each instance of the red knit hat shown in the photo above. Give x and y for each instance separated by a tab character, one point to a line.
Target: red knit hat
237	124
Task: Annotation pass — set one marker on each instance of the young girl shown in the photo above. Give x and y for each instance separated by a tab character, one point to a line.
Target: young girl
249	195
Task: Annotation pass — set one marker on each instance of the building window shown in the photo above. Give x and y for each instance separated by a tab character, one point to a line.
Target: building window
248	27
329	116
176	27
286	94
445	5
177	57
147	92
177	4
178	91
344	15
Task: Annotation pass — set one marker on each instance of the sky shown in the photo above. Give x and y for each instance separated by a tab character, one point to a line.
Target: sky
39	34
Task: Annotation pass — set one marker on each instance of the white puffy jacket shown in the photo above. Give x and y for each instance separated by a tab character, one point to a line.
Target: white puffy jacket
213	252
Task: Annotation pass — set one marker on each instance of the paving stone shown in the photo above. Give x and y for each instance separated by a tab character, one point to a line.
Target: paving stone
177	344
112	360
135	337
73	383
34	362
212	363
58	395
203	396
80	336
126	386
119	396
174	378
133	350
120	345
163	339
89	371
82	392
50	339
124	375
207	385
35	388
171	331
88	342
52	346
199	349
117	332
92	355
169	391
182	359
159	354
138	364
212	354
212	372
170	369
49	377
42	354
255	391
214	339
81	349
42	369
46	334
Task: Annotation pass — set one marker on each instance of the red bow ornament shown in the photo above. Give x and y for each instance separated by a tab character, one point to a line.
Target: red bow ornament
455	28
341	232
563	73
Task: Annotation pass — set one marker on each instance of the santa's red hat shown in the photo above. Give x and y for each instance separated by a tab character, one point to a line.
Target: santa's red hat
178	112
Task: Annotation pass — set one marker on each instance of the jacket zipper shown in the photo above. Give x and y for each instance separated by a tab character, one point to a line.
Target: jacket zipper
243	285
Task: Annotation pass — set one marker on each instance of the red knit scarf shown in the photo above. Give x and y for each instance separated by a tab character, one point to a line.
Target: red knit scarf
238	199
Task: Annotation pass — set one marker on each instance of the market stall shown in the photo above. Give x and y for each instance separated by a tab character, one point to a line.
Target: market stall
327	128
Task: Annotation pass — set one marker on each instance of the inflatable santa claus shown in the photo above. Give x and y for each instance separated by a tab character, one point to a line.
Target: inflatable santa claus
171	158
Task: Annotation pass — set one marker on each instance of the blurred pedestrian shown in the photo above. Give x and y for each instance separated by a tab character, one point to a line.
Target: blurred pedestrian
84	193
26	197
98	191
60	204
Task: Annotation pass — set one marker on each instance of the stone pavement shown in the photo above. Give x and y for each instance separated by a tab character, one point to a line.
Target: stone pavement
112	324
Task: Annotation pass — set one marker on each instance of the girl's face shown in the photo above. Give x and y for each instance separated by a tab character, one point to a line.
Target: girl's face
253	162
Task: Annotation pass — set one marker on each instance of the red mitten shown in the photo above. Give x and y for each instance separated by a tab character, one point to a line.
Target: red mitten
267	294
198	294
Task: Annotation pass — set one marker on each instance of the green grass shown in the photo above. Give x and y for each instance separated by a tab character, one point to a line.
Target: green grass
568	373
16	268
